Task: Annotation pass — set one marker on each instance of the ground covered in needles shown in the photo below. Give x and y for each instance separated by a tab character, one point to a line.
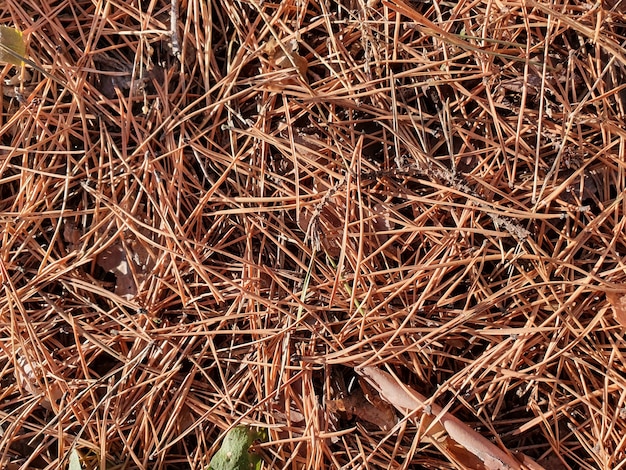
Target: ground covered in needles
297	216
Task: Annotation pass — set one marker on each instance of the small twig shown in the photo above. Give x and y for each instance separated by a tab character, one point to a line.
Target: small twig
314	231
453	180
174	29
512	226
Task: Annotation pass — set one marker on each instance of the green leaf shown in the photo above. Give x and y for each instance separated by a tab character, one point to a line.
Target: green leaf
12	46
234	453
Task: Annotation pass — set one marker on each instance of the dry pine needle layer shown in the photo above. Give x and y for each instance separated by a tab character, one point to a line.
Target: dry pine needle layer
340	224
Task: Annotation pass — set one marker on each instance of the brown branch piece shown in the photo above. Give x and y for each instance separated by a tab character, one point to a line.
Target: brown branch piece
455	439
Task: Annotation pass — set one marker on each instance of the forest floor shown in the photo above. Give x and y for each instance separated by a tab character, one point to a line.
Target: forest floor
339	223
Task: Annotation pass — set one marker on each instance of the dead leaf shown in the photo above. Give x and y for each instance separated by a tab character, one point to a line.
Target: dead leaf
285	61
616	5
618	302
457	441
71	235
358	404
381	223
286	56
129	260
29	376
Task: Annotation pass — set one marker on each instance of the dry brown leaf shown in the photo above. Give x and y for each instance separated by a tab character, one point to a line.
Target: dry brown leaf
130	261
618	302
456	434
29	377
286	56
293	417
114	260
358	404
71	235
381	223
285	61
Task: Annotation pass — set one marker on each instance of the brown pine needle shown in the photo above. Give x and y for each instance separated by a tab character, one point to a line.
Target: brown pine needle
213	212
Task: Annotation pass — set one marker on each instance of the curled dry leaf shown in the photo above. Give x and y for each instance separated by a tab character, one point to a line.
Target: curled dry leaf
618	302
128	259
453	438
294	416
